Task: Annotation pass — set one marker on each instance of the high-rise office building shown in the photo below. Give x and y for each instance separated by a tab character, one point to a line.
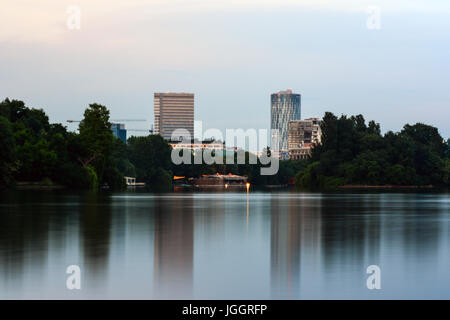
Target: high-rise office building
285	106
173	111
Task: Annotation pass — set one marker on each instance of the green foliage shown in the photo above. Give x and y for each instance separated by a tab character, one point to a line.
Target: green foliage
148	154
113	178
161	180
356	154
313	178
34	156
400	175
120	155
35	150
308	178
96	138
446	172
91	177
7	154
425	135
36	160
15	111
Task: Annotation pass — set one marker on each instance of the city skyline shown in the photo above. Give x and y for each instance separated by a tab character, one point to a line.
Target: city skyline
214	152
228	54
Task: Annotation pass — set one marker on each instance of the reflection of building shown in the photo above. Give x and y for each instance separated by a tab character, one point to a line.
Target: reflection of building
302	136
174	248
285	106
295	245
173	111
119	131
285	248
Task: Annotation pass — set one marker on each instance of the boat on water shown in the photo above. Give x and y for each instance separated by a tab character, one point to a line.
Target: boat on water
226	181
213	181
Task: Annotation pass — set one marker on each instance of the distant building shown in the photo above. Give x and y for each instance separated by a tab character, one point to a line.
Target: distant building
199	145
173	111
119	131
302	136
285	106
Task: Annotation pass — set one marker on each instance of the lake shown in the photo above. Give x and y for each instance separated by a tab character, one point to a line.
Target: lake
230	245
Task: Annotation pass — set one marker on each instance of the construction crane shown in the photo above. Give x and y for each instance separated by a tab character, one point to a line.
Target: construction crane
142	130
113	120
124	120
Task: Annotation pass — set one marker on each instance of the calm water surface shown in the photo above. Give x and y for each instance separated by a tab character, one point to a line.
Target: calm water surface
224	245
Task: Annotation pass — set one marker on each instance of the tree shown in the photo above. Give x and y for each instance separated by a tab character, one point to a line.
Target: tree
36	160
446	172
96	139
359	123
120	155
426	135
7	154
13	110
148	155
374	128
329	131
353	154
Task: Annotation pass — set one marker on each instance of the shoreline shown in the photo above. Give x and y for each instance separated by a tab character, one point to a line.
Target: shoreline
177	188
37	186
385	187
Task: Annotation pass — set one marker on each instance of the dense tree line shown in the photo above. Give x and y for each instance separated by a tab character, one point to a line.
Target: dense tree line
34	150
353	153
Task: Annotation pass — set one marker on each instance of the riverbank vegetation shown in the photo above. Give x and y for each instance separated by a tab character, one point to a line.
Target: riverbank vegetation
38	152
353	153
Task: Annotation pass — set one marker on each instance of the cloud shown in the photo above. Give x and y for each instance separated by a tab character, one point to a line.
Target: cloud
45	20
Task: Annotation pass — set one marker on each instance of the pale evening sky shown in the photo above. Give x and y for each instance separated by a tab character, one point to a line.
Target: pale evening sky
232	55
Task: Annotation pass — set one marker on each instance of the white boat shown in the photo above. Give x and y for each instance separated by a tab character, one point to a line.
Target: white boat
131	182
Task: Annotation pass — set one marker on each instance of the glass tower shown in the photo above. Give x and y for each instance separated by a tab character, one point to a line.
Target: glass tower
285	106
119	131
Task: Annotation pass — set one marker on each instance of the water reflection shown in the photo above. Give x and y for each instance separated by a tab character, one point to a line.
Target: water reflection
285	247
224	245
95	230
174	248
